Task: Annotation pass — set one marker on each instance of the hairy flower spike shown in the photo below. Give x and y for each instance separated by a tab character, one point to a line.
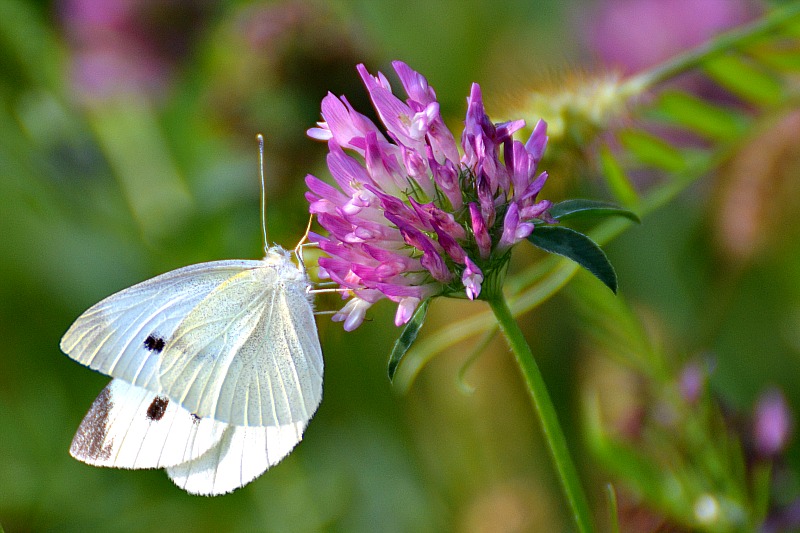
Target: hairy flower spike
411	217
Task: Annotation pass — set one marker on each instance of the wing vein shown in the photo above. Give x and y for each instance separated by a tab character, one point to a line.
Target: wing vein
299	350
277	366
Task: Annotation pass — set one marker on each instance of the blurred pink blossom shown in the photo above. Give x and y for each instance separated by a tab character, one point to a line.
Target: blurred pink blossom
634	34
127	46
772	423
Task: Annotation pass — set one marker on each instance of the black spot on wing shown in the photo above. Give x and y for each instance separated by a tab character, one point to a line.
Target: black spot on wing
157	408
88	441
195	419
154	344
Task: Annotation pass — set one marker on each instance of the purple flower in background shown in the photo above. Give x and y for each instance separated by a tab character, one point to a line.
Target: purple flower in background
128	46
692	381
772	423
782	520
636	34
694	376
412	216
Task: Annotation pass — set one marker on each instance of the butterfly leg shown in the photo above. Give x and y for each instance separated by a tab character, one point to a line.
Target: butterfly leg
298	249
340	290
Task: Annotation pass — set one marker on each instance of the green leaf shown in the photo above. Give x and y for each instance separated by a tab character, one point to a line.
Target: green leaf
580	207
745	80
705	119
762	476
132	139
612	508
791	27
578	247
618	181
29	40
651	150
782	55
407	337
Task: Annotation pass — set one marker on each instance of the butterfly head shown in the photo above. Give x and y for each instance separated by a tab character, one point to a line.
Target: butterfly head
281	260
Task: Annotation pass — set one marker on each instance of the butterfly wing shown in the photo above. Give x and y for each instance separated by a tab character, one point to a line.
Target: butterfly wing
243	454
131	427
249	353
123	335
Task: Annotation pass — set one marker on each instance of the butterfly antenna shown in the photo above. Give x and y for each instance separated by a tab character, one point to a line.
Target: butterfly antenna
263	190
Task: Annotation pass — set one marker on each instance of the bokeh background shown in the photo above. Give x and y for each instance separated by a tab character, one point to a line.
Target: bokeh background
127	148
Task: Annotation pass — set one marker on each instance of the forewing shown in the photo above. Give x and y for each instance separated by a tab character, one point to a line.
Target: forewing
249	353
123	335
243	454
132	427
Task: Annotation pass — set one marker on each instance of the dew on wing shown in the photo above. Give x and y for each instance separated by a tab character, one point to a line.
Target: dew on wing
157	408
154	344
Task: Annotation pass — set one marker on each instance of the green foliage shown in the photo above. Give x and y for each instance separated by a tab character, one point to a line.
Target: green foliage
579	208
407	337
678	462
651	150
668	143
746	79
578	247
707	119
674	467
617	179
612	508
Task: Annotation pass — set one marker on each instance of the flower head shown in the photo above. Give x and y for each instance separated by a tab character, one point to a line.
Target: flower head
412	216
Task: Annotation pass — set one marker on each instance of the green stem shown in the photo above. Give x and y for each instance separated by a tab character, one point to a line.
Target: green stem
727	41
544	408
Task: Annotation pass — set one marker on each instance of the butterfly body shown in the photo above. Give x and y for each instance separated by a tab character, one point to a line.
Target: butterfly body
214	363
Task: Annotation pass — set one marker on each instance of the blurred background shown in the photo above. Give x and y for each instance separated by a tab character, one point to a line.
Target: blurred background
127	148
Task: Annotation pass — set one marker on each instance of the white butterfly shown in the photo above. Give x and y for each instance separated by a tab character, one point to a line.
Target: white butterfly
218	367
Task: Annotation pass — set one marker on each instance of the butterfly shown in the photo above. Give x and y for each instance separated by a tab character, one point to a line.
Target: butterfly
217	367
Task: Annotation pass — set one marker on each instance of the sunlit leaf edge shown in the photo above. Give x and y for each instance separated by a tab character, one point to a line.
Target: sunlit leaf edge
578	247
580	207
407	338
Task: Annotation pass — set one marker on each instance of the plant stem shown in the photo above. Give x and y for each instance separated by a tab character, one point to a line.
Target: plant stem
544	408
722	43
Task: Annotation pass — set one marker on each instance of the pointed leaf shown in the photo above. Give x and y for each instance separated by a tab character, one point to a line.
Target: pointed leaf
407	337
652	150
781	56
616	178
580	207
578	247
703	118
612	508
628	462
745	80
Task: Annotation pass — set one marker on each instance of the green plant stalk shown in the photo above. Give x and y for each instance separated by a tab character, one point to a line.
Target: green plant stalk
546	412
723	43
